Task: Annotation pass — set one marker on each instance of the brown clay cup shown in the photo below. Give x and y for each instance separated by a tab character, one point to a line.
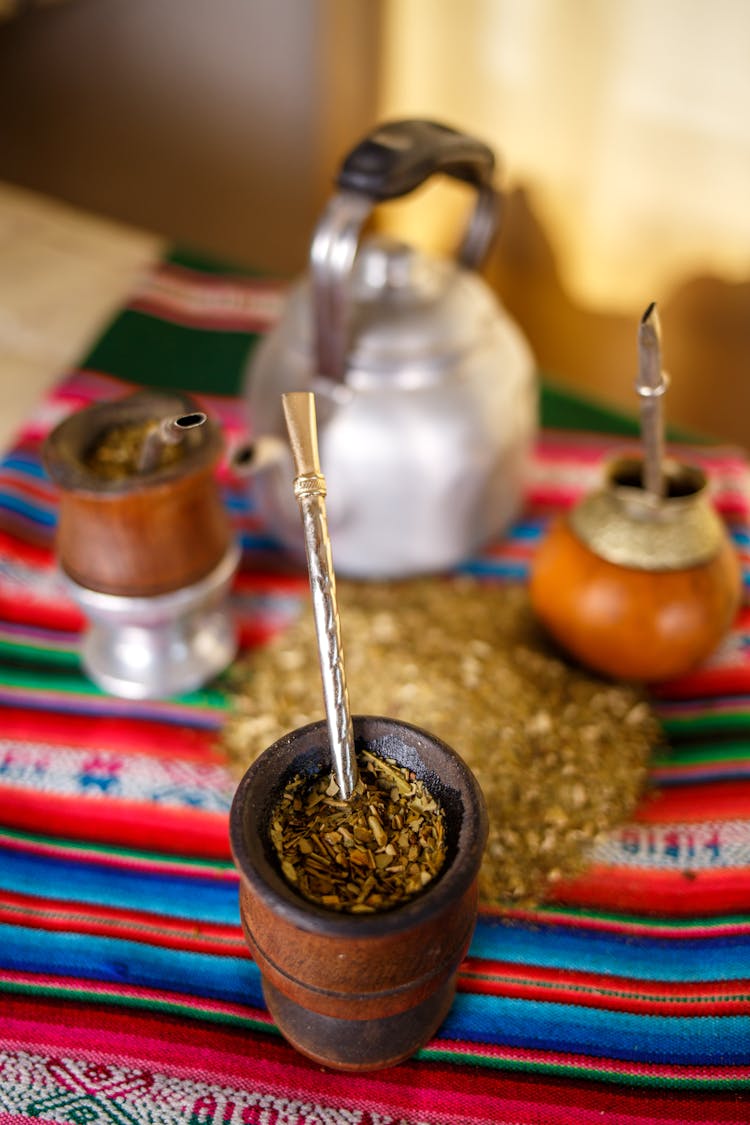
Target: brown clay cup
358	991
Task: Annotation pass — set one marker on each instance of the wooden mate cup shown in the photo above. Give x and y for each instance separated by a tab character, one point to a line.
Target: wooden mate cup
358	991
147	553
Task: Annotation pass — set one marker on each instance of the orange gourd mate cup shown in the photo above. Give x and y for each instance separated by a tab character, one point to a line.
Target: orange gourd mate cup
638	588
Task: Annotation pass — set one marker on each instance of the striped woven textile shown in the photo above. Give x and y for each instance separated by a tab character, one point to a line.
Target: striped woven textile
126	992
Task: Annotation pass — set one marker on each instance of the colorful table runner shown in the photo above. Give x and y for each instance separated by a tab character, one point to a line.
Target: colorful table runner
126	991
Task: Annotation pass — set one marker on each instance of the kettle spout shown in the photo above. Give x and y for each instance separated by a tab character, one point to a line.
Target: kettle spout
254	456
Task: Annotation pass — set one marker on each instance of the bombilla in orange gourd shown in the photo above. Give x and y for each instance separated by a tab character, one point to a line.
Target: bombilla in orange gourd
651	385
310	490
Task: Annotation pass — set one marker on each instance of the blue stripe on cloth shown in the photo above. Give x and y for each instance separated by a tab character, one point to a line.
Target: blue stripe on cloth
136	963
720	957
535	1024
495	568
46	517
177	712
201	899
737	773
256	541
26	463
236	502
527	530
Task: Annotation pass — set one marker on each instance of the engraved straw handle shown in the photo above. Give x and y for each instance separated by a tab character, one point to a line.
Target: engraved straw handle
299	411
310	490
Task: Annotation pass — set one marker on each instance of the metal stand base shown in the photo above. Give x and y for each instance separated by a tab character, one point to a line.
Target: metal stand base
145	648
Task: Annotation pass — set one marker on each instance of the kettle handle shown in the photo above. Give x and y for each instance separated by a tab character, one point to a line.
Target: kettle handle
400	155
393	160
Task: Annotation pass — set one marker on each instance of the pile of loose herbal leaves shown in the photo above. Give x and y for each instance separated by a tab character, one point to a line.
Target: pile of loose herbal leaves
561	754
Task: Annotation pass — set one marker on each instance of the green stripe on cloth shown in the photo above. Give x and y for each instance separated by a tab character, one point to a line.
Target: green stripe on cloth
566	409
28	653
692	724
159	354
571	1070
698	753
156	353
76	685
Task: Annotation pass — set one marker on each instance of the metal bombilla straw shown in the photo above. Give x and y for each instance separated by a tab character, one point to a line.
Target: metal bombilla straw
170	431
310	490
651	384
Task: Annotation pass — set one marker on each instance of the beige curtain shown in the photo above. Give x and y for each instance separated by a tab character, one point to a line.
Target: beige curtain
629	120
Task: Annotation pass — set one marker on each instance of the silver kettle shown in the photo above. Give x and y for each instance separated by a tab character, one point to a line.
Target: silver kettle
425	387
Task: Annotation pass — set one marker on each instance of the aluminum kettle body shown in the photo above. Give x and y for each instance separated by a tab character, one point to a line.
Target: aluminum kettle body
425	387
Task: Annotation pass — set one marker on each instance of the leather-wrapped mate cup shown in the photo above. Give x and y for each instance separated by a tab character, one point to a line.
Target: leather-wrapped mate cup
358	991
147	554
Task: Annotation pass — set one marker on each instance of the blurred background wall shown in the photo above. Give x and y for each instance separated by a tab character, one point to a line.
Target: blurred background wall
622	126
213	122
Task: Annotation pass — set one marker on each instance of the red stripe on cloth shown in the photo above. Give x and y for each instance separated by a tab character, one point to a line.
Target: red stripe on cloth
707	682
103	732
610	992
711	800
294	581
188	832
677	894
256	634
33	554
622	924
215	320
31	609
219	303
